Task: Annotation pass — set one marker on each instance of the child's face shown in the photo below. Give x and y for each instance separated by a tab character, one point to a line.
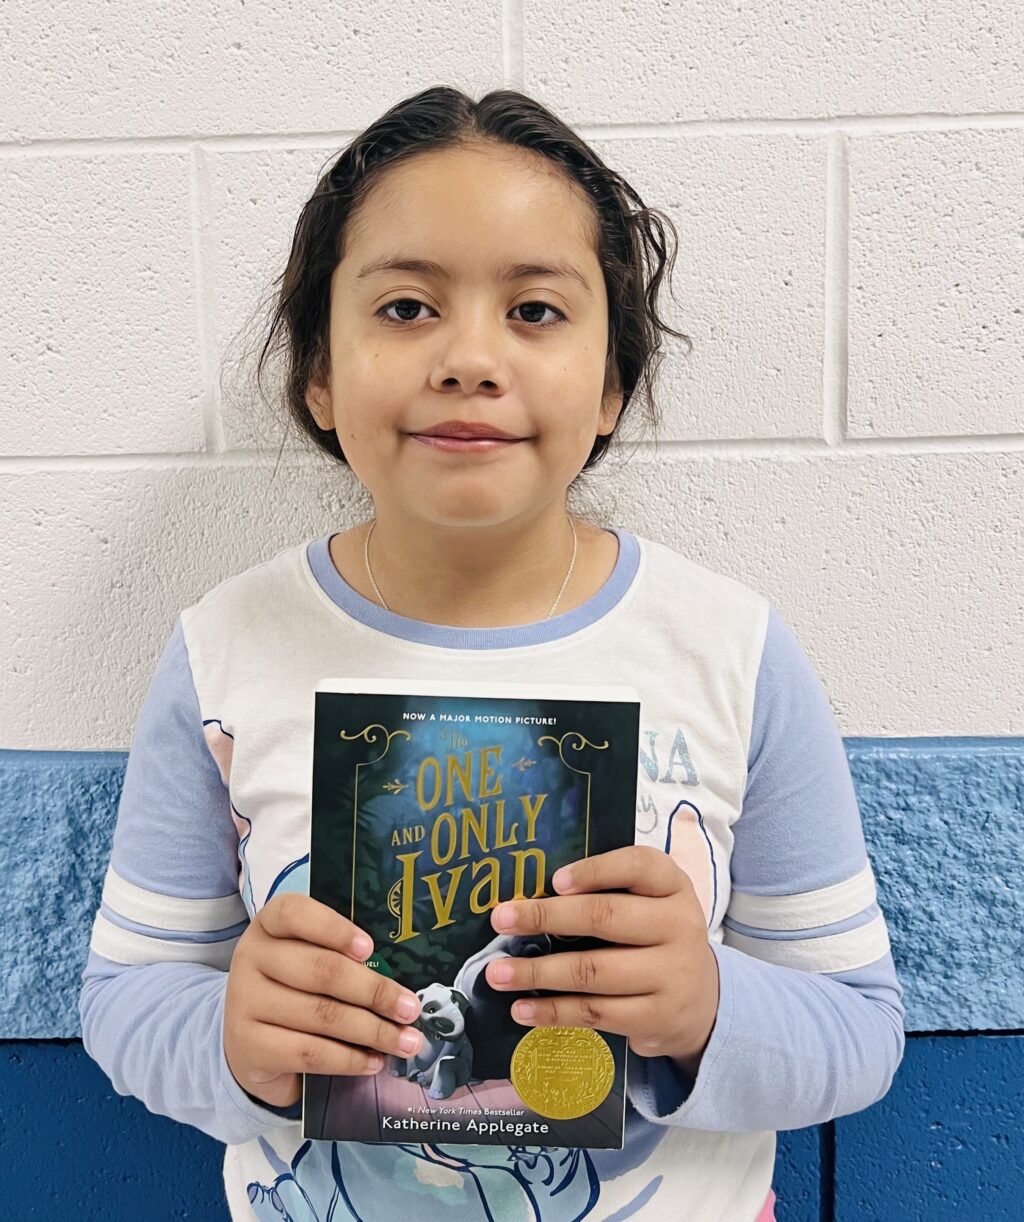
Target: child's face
469	351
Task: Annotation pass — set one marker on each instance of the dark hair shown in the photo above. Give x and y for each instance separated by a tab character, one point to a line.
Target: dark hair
630	244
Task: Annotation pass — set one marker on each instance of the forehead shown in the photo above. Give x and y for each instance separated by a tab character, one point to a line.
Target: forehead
462	206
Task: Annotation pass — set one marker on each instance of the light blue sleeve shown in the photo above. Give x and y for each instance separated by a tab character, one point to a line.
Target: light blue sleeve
153	989
810	1015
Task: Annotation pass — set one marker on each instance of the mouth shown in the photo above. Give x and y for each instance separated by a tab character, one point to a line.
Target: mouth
466	437
469	445
468	430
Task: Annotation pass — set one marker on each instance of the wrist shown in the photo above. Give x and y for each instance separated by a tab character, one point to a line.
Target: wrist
279	1099
689	1066
282	1109
687	1054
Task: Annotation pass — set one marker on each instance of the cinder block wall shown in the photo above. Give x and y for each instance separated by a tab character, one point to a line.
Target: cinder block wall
846	435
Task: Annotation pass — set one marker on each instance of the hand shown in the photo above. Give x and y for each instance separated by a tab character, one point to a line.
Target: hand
300	1000
658	985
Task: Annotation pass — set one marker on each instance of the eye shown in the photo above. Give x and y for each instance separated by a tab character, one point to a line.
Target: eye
412	301
524	305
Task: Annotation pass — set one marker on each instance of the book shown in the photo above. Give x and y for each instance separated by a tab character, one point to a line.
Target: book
432	802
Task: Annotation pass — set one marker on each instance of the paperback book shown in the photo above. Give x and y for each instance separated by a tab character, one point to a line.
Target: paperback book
433	802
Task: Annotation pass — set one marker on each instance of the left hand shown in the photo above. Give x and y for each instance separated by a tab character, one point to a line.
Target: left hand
658	985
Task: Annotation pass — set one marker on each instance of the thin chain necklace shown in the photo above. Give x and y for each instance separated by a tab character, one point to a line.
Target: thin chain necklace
572	563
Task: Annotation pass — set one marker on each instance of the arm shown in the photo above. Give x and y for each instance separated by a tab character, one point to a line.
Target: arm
152	998
810	1015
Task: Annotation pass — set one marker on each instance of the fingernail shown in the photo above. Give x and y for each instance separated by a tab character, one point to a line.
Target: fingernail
409	1041
407	1009
361	945
374	1063
504	916
561	880
523	1010
501	972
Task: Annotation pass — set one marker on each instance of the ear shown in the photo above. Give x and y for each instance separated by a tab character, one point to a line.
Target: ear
611	409
319	403
461	1000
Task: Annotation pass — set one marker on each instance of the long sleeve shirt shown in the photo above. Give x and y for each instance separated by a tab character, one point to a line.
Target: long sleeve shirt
742	779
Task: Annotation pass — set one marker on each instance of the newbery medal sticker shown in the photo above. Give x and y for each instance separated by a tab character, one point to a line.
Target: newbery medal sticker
562	1072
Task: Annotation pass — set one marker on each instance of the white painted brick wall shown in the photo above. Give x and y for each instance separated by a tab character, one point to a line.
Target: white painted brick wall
846	437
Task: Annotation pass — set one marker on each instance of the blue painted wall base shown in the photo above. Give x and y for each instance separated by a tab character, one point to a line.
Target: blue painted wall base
945	1143
942	822
943	1146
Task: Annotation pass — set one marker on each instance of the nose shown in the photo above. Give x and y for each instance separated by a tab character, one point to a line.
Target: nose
472	353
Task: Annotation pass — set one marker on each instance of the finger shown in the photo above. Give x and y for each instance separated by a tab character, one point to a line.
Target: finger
314	969
637	868
616	1015
292	915
616	917
614	971
288	1051
318	1014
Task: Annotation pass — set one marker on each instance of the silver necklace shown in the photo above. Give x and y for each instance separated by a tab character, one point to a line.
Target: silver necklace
572	563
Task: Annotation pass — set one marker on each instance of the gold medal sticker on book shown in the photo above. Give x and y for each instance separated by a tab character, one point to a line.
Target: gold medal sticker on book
432	803
563	1072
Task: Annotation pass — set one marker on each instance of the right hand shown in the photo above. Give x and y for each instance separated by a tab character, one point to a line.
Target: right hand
300	1000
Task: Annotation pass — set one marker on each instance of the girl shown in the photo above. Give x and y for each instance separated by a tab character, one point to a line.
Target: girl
468	315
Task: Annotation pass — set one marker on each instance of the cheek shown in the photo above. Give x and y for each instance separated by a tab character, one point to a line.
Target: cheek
370	434
366	419
587	422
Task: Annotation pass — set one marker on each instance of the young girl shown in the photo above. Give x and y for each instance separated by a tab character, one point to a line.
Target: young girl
469	313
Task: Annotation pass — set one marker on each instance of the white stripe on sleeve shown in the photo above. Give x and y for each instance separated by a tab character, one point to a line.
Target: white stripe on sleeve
126	946
808	909
178	913
837	952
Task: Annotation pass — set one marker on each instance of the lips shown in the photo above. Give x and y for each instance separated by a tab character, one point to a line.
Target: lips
466	445
467	430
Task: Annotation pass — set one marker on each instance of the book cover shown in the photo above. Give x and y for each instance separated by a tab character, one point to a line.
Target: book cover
433	802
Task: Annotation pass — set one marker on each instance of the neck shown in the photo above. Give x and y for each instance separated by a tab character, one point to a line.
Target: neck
475	576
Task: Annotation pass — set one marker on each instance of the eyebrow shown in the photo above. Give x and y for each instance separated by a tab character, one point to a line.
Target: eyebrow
506	271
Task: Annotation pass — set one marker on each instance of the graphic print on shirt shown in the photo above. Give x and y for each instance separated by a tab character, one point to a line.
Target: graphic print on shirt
221	745
650	803
689	846
685	836
510	1183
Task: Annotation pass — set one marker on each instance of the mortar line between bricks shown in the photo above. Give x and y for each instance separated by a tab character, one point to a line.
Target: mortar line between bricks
797	449
854	124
